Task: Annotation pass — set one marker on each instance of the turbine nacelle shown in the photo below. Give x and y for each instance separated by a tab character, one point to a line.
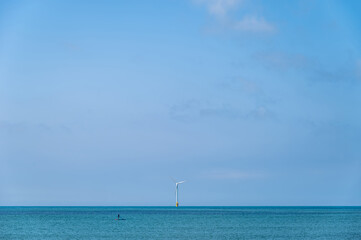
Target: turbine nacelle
179	182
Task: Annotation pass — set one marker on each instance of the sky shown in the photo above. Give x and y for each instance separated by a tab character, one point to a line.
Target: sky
251	102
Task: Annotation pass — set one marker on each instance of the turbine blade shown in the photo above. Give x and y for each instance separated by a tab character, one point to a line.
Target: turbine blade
173	180
180	182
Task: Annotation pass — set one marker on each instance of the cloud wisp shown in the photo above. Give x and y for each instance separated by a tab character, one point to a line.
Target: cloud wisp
254	24
219	8
358	68
311	68
248	23
232	174
194	109
282	61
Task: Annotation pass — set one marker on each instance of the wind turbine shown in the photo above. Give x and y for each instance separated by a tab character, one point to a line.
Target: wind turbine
176	191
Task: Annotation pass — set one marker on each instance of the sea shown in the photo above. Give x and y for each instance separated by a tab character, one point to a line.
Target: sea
65	223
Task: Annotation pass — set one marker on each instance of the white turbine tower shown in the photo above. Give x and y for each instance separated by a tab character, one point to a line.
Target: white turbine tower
176	191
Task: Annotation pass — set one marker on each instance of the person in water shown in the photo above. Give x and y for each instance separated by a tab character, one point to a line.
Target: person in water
118	216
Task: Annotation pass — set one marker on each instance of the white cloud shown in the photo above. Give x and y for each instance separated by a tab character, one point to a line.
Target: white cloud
219	8
254	24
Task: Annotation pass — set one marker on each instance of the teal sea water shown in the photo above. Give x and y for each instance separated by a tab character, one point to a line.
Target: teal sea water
180	223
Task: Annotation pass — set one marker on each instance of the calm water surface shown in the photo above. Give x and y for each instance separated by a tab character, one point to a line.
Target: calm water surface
182	223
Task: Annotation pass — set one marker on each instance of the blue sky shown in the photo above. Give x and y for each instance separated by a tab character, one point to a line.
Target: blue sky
251	102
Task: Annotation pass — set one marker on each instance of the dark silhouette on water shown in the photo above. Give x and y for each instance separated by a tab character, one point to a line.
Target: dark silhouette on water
120	218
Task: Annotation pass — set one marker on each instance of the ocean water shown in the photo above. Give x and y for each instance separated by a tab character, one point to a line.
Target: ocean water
180	223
